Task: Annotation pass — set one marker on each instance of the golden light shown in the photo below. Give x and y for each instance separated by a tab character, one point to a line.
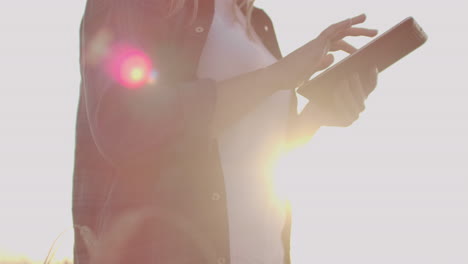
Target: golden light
137	74
289	175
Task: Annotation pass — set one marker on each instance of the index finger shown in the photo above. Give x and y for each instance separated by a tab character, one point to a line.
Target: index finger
358	19
343	25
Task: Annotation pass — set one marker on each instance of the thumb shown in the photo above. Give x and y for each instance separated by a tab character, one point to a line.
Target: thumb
325	62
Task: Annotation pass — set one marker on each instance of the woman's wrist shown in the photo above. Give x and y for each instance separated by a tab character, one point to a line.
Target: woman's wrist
282	77
310	119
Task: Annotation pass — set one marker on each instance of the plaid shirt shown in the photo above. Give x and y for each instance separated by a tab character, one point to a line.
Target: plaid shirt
152	146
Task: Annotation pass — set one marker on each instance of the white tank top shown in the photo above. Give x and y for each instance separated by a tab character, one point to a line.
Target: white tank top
247	148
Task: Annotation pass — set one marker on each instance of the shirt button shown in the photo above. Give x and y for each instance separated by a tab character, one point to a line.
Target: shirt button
199	29
215	196
221	261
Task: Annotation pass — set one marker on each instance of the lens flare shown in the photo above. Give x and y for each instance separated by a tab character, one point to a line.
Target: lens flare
98	47
134	71
129	66
153	77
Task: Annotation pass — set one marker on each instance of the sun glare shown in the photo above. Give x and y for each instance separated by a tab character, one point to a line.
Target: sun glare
130	67
137	74
134	71
289	174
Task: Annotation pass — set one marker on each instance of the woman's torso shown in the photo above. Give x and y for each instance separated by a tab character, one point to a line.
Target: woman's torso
247	149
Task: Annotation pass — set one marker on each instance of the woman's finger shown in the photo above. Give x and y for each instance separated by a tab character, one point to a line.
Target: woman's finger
355	32
326	61
358	19
342	45
350	22
334	29
358	95
344	104
369	78
358	31
340	111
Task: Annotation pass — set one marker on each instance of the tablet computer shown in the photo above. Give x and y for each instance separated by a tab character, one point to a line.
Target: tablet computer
382	52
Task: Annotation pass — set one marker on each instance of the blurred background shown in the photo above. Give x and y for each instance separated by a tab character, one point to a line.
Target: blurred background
392	188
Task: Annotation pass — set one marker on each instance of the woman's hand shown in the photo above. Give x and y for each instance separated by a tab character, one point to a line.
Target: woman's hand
345	106
314	56
237	96
347	101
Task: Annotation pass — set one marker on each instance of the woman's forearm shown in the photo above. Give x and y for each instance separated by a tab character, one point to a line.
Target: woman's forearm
239	95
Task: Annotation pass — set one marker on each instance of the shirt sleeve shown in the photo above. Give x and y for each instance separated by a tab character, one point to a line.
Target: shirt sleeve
125	121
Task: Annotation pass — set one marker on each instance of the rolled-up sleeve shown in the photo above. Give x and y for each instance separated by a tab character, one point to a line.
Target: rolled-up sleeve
123	121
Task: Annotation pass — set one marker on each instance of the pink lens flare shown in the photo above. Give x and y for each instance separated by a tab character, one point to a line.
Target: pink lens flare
129	66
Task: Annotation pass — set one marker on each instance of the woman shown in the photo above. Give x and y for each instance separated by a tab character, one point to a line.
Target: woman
183	103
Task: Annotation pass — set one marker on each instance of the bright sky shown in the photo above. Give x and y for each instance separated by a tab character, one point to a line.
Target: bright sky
392	188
